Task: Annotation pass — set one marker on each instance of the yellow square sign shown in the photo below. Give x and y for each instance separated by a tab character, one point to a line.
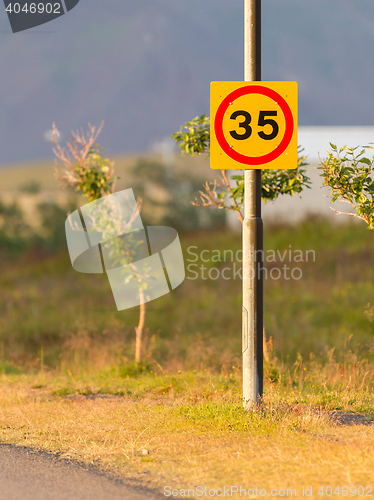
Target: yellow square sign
253	125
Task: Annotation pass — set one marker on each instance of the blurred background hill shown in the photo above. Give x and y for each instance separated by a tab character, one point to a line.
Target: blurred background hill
145	67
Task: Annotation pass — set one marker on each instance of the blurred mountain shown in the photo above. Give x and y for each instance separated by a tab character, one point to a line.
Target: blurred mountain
144	66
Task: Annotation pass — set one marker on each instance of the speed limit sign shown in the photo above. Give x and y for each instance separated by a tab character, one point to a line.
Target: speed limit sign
253	125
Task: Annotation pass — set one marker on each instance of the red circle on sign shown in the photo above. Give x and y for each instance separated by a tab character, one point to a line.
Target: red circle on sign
253	160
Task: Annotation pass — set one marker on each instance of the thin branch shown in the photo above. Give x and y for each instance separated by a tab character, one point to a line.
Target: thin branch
223	173
209	198
349	213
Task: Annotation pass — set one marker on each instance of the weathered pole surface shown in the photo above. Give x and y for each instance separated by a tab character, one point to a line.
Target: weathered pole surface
252	328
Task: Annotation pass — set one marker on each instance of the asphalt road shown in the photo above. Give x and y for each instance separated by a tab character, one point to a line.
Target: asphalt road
31	475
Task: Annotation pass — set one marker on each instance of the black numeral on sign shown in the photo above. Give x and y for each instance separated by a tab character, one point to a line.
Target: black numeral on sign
245	125
262	121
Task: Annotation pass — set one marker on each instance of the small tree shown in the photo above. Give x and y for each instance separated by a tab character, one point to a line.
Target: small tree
92	175
348	173
194	137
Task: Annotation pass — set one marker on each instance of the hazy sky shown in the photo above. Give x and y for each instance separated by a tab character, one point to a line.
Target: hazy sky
145	67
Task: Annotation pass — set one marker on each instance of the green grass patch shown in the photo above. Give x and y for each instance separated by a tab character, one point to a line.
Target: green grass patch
58	319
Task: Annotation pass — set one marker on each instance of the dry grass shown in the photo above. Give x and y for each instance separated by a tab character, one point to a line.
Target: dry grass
200	436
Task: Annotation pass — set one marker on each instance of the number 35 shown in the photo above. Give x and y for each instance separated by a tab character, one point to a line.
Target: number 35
262	121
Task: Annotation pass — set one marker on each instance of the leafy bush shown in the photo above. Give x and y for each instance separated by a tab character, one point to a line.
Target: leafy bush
194	137
15	232
348	173
52	220
30	187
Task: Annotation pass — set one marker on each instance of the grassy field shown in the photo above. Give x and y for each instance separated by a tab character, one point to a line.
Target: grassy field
69	384
325	315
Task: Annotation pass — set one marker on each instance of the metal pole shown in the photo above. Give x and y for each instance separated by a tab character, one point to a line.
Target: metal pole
252	328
